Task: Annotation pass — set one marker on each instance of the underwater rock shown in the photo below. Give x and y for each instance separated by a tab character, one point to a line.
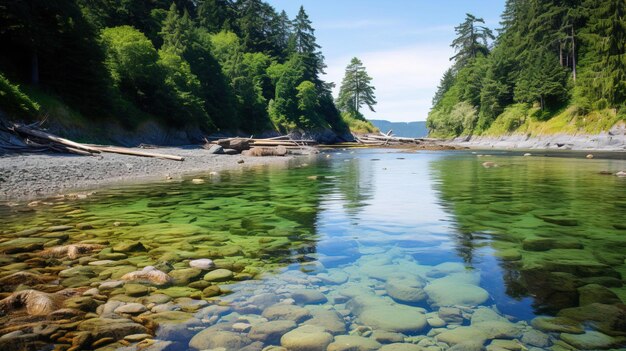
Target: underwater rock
490	164
85	271
36	303
219	275
408	290
70	251
211	339
306	338
445	292
149	275
135	290
81	303
385	337
594	293
608	319
451	314
181	291
111	328
288	312
401	347
211	291
270	332
353	343
131	308
463	335
202	263
536	338
129	246
9	282
556	324
401	319
330	320
185	275
308	297
334	277
592	340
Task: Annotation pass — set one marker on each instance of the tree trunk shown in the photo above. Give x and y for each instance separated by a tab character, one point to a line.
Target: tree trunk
561	53
34	68
573	54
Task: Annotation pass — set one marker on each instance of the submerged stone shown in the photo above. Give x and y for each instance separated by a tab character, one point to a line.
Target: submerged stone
594	293
407	290
210	339
306	297
306	338
270	332
353	343
592	340
394	318
289	312
219	275
448	293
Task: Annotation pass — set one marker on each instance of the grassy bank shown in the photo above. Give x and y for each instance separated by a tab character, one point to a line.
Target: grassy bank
522	119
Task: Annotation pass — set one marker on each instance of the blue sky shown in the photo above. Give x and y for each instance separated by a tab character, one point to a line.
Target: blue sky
404	44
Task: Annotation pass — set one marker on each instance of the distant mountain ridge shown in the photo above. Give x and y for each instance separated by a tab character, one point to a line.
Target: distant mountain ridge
402	129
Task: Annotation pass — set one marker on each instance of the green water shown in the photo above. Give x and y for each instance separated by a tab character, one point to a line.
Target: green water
369	248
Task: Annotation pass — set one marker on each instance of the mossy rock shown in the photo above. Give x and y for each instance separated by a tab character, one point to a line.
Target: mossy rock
180	291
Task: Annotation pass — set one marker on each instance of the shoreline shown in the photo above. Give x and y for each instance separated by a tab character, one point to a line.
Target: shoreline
615	140
37	176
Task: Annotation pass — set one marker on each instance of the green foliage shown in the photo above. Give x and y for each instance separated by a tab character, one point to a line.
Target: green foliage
14	101
357	123
132	62
605	77
356	89
547	54
216	64
186	104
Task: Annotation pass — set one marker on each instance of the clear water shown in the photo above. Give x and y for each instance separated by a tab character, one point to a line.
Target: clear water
364	229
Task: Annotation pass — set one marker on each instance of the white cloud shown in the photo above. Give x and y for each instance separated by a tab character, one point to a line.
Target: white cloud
405	79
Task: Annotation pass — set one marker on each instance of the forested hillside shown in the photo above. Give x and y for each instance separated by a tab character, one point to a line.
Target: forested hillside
555	66
217	65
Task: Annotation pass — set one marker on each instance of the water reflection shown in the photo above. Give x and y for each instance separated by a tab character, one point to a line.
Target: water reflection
375	249
553	222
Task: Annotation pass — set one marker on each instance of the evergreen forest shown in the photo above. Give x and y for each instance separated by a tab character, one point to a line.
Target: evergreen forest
555	66
216	65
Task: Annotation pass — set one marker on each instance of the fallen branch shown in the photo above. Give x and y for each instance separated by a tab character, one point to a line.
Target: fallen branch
22	129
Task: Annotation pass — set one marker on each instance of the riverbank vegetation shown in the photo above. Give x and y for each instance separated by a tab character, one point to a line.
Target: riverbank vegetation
216	65
554	67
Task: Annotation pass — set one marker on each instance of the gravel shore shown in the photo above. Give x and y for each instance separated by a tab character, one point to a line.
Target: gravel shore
33	176
611	141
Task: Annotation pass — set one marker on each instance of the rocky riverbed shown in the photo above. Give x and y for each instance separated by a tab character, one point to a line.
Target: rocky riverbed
269	260
107	296
32	176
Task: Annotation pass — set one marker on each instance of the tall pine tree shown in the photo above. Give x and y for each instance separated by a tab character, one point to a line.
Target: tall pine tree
356	89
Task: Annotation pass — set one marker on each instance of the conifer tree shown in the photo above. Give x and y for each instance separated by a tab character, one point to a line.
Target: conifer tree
472	40
356	89
304	43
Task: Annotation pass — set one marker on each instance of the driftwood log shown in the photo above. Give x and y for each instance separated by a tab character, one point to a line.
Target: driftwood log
37	140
